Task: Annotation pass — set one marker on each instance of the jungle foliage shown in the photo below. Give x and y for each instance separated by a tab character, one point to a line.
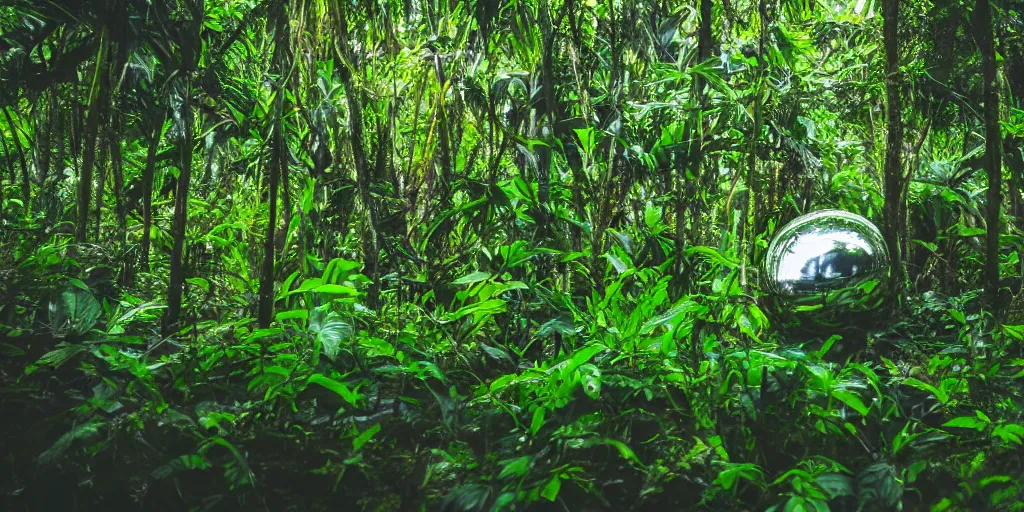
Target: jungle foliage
503	255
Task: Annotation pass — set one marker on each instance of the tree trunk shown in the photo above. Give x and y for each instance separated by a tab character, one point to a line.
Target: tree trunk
101	177
286	197
278	161
96	100
58	129
44	137
549	29
894	199
177	277
371	244
7	161
754	206
1014	160
993	142
147	187
117	169
25	189
687	194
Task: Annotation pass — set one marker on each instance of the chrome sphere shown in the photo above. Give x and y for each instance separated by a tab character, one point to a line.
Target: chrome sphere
825	269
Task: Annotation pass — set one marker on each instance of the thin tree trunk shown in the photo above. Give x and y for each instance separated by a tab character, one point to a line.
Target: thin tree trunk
687	195
74	124
550	31
993	142
101	177
894	200
177	277
286	197
1014	161
44	137
445	176
7	160
604	195
371	244
147	187
752	217
60	124
278	161
96	100
25	189
117	168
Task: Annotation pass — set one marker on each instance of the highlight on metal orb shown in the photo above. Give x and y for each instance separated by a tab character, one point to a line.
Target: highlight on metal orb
825	267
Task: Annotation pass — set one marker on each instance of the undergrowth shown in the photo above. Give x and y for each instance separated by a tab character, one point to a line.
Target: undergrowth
622	400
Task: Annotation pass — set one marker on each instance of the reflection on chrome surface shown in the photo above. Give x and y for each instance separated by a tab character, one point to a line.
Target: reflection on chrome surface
824	265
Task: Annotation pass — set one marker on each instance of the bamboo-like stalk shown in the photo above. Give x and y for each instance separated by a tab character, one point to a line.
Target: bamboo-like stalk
96	106
180	220
278	162
147	186
895	201
993	146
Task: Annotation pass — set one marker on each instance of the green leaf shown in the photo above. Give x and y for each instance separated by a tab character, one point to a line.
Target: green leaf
927	245
625	451
853	400
670	315
213	25
199	282
467	497
550	491
57	356
504	501
83	431
1015	331
339	269
538	420
501	382
487	307
280	371
1009	433
835	484
583	355
727	478
337	387
243	475
74	312
329	330
498	354
712	254
617	263
122	320
365	437
516	467
337	289
965	422
958	316
179	464
295	314
586	137
969	232
471	278
942	396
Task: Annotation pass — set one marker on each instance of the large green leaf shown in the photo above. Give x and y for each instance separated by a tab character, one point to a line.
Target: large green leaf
330	330
82	431
73	313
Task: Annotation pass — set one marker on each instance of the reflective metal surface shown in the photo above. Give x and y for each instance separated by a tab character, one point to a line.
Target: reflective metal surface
825	267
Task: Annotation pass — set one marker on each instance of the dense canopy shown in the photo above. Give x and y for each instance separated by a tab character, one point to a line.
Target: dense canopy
498	255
